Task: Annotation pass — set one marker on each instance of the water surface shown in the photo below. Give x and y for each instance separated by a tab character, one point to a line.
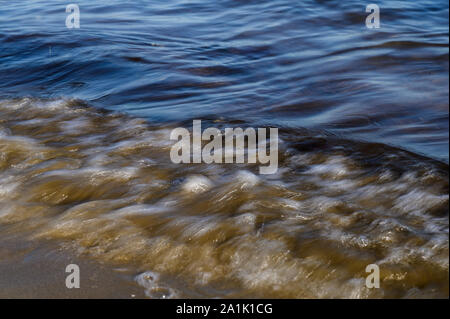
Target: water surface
288	63
363	119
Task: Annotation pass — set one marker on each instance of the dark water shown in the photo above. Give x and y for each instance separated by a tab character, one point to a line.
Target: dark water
363	119
287	63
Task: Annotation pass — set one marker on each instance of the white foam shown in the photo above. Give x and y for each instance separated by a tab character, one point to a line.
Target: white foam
335	166
197	184
419	201
153	288
8	185
246	179
76	125
138	210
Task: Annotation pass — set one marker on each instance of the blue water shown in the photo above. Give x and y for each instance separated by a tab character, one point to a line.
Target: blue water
296	64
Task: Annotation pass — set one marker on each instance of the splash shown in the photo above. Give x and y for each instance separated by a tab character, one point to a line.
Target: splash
102	184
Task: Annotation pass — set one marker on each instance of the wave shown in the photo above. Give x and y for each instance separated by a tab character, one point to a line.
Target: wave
102	184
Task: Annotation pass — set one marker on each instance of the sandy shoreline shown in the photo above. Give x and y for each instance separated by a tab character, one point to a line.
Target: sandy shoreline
37	270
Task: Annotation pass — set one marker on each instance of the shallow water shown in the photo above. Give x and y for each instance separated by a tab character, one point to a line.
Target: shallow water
103	185
363	121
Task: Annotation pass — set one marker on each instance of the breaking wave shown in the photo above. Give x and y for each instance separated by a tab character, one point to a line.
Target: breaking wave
102	184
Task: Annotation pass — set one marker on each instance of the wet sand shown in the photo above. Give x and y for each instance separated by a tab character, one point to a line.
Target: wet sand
32	269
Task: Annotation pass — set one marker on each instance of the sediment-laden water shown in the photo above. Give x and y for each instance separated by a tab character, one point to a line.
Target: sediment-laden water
103	184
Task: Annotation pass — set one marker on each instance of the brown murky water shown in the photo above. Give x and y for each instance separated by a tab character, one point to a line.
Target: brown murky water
101	185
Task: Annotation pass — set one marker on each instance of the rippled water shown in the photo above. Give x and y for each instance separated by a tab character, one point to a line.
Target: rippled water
363	120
